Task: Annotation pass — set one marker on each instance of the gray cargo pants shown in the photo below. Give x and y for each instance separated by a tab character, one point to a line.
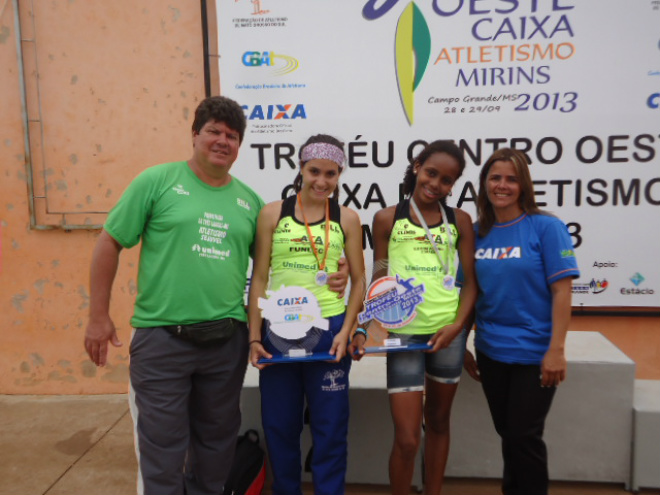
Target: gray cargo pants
185	405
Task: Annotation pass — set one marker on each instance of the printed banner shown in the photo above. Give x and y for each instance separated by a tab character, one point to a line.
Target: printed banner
573	83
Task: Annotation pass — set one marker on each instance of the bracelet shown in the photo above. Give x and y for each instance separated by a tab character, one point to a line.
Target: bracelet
360	331
254	342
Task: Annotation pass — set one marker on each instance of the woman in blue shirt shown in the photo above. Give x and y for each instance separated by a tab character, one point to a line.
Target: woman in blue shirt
524	262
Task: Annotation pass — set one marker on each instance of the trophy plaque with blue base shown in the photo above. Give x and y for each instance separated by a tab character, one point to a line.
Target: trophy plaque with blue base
390	304
294	325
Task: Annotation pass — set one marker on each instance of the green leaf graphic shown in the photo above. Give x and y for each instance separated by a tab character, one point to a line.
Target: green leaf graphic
412	52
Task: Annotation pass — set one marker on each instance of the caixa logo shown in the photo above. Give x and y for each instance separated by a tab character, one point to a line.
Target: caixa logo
287	111
291	301
653	101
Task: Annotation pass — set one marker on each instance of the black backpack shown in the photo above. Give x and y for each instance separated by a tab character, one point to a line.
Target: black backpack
248	471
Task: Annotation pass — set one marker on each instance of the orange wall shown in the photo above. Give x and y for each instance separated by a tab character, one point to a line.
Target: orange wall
118	84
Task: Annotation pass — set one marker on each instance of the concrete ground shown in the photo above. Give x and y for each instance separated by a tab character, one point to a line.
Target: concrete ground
83	445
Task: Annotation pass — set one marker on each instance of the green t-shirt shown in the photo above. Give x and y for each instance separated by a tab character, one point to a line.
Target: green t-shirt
196	243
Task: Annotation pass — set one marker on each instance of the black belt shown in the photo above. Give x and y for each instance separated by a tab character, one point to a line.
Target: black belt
207	333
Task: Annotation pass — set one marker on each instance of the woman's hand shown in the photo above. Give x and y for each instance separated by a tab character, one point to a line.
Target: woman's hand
338	349
470	365
338	280
356	347
553	368
443	337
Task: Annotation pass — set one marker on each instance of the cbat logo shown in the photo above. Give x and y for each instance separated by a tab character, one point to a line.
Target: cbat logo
637	279
287	111
295	317
271	59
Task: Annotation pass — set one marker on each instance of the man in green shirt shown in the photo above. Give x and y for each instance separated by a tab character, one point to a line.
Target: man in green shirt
196	224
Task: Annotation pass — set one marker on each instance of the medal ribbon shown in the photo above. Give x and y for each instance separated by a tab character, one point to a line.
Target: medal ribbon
311	237
429	236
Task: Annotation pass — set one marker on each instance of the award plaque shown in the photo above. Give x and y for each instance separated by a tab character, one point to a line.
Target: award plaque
390	304
295	325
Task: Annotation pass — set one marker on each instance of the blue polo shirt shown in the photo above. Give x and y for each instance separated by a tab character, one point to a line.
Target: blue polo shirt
515	264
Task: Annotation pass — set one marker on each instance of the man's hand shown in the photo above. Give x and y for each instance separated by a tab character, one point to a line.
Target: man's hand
100	329
97	335
257	352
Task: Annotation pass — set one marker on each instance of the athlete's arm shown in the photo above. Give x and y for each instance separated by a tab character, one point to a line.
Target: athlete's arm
466	248
468	294
266	223
350	223
381	230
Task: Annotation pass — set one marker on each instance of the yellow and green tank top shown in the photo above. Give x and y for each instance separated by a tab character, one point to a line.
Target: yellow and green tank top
411	255
292	260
